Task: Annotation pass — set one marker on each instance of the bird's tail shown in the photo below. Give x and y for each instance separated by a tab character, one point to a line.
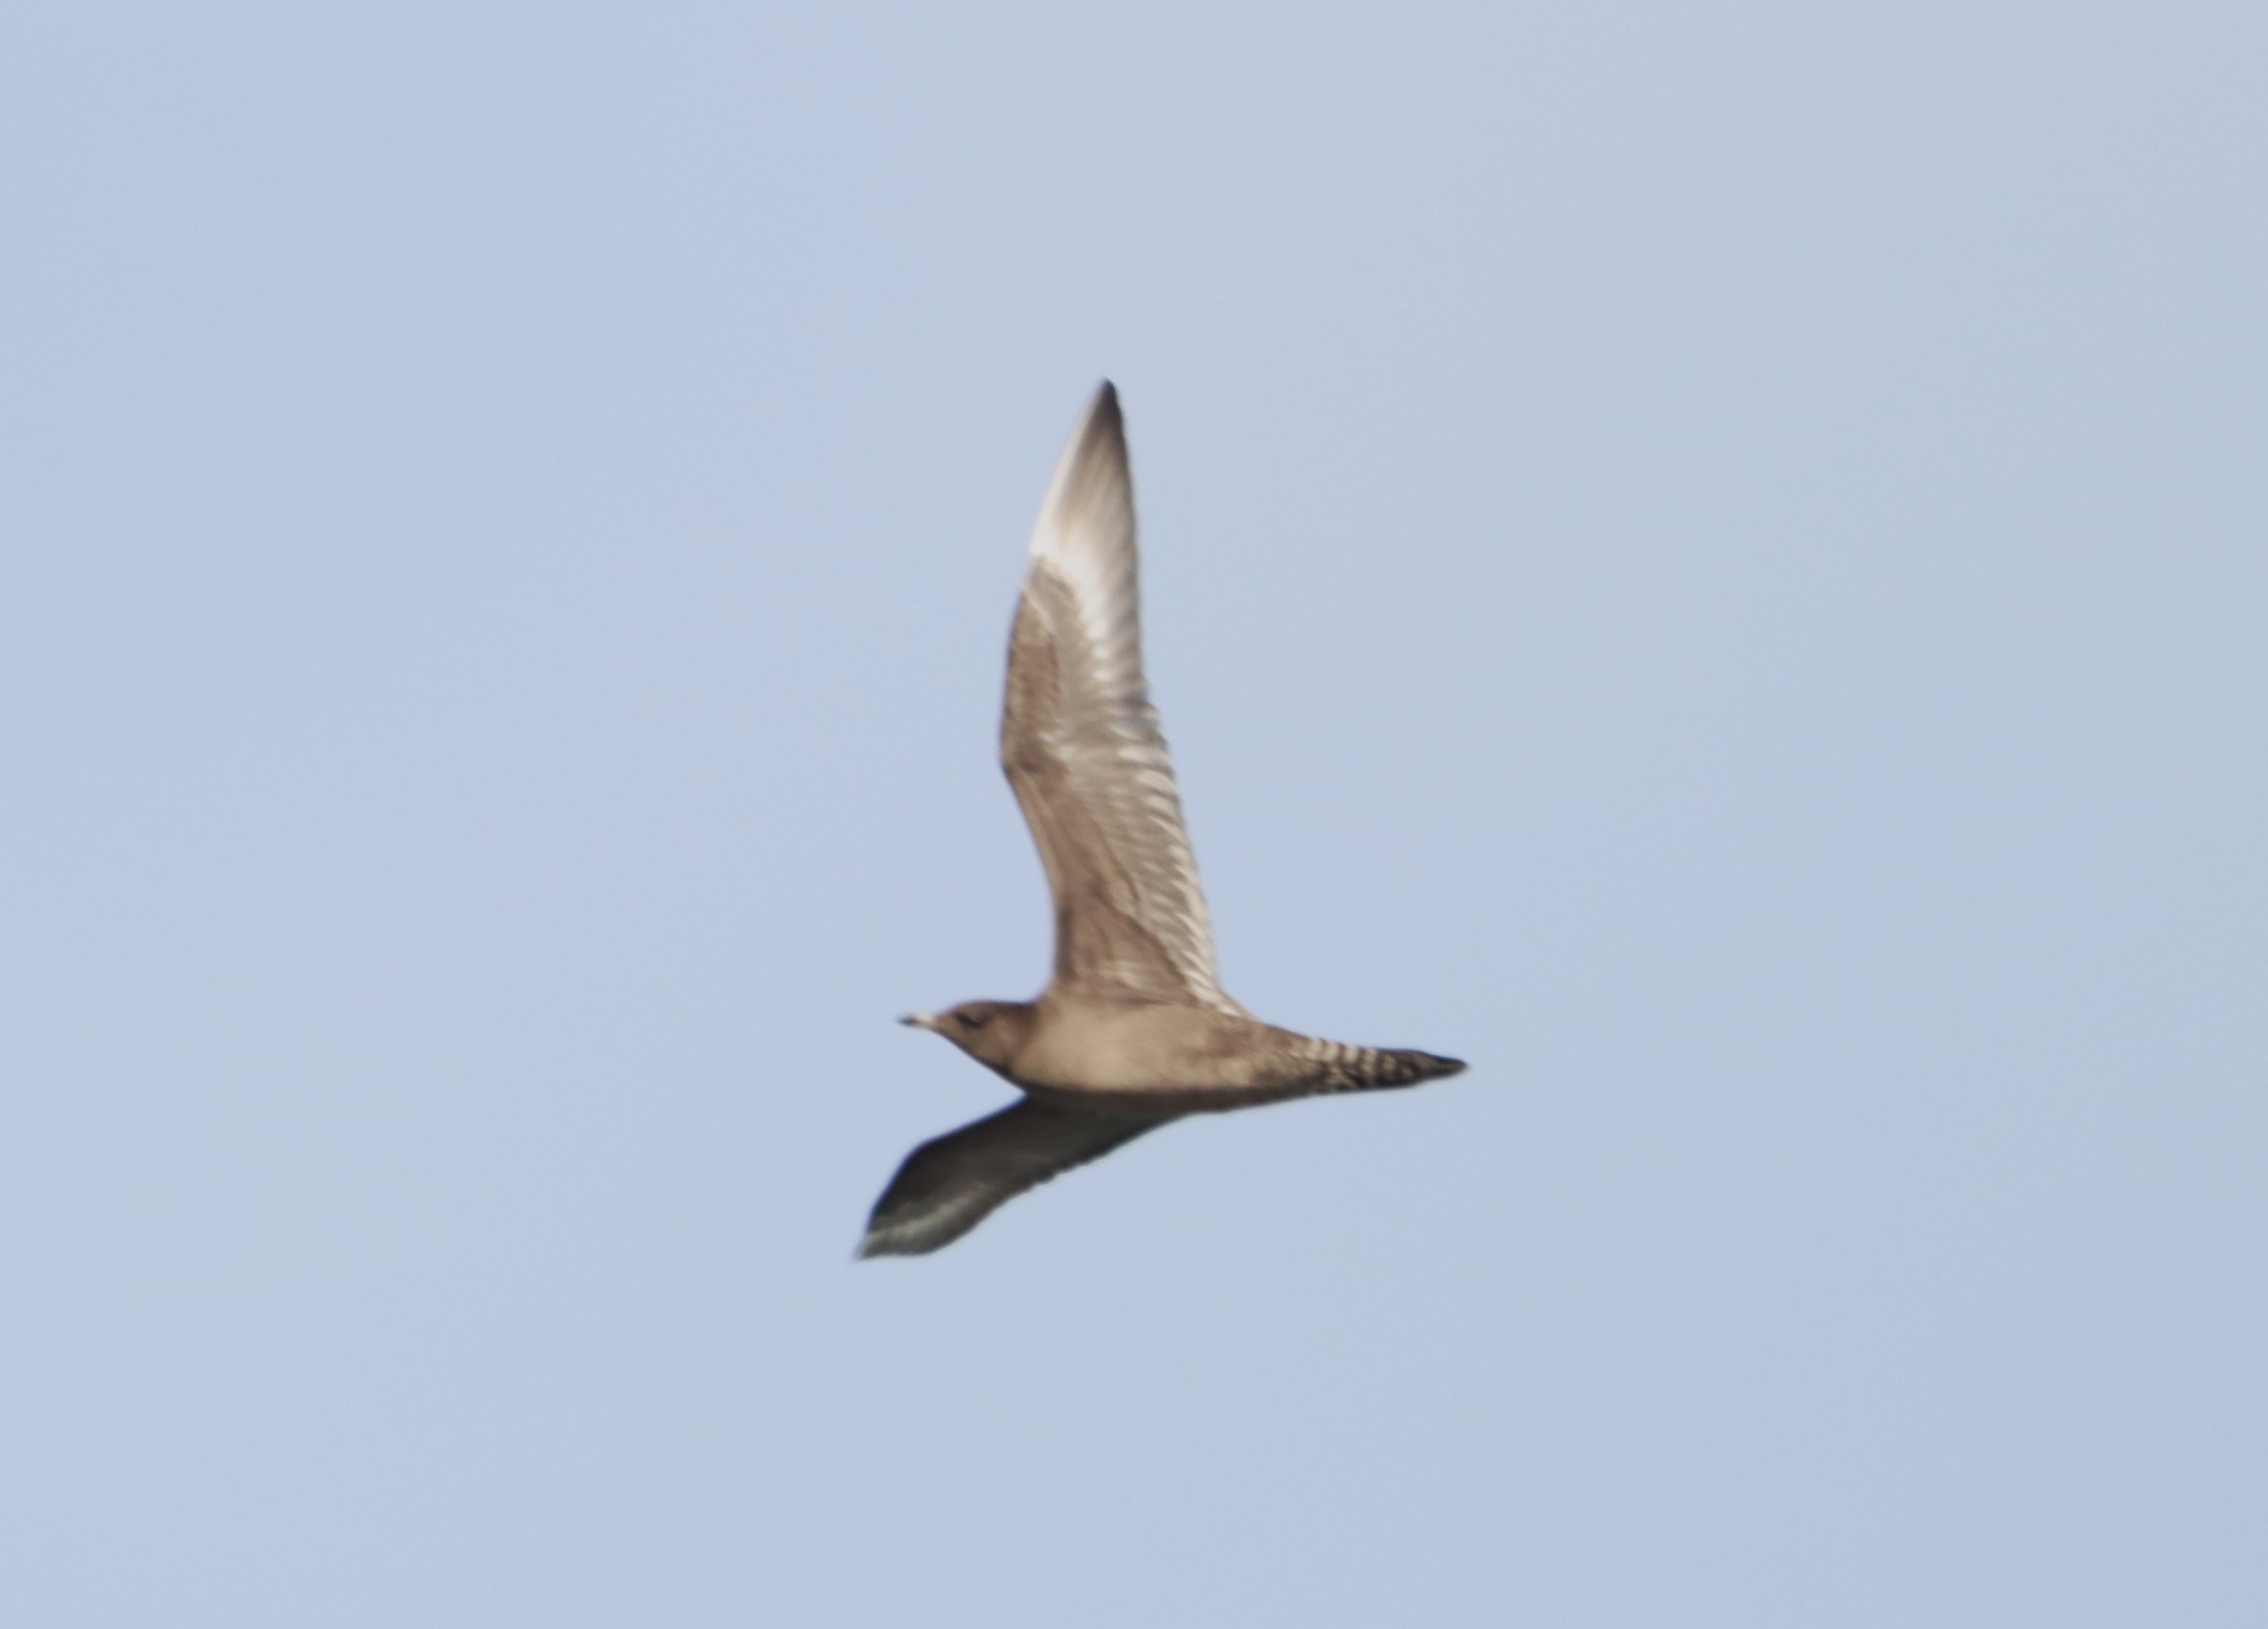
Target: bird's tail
1336	1067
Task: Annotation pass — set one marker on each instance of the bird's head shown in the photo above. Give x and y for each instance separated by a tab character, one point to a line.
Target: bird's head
990	1032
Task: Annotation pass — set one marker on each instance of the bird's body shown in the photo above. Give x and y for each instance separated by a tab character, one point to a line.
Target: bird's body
1150	1058
1133	1029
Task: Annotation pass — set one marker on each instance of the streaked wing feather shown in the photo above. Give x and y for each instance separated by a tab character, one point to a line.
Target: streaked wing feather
1082	747
951	1182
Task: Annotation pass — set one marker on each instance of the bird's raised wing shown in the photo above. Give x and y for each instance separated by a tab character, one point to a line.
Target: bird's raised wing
1082	748
951	1182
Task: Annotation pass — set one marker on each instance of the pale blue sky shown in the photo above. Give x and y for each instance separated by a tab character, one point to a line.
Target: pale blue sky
1710	561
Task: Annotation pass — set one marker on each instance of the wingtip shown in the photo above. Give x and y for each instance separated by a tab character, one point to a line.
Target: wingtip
1103	416
891	1241
890	1232
1091	490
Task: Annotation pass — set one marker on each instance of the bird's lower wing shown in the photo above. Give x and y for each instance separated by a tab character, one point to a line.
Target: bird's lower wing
951	1182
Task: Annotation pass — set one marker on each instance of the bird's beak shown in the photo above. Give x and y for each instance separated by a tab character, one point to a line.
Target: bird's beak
920	1020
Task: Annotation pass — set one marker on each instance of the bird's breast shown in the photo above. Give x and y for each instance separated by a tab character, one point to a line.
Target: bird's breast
1142	1050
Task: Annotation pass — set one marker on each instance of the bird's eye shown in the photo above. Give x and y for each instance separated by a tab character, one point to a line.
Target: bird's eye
974	1021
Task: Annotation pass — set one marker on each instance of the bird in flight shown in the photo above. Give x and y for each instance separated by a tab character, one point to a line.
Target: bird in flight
1133	1029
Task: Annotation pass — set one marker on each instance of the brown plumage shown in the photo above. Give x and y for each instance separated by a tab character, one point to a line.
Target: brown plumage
1133	1029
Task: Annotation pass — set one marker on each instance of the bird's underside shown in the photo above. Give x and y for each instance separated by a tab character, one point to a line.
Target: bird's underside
948	1185
1133	1029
